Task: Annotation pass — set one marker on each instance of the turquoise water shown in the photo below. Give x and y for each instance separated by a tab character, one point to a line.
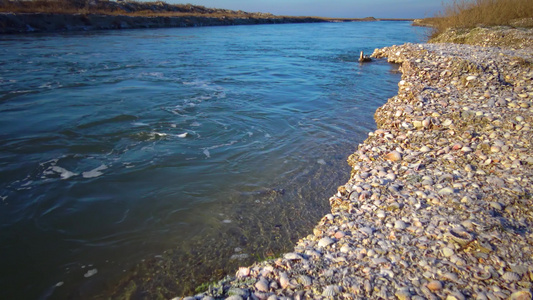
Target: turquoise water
175	154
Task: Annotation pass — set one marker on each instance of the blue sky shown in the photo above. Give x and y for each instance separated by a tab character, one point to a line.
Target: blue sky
331	8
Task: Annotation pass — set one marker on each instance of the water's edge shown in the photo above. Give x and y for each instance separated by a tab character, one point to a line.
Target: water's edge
176	262
313	255
47	22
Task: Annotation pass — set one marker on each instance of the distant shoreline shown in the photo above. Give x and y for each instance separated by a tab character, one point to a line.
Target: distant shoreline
16	23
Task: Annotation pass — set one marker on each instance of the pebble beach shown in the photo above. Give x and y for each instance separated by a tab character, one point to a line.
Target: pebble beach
439	204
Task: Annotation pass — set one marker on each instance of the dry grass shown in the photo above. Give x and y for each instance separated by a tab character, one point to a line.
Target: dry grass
469	14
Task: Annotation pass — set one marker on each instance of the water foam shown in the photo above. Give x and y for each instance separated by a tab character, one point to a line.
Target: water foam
96	172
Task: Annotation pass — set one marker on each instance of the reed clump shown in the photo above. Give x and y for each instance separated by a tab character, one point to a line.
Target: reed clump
473	13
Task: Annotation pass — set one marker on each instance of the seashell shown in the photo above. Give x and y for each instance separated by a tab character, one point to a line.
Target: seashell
330	291
367	285
521	295
324	242
366	230
393	156
455	296
383	293
346	249
400	225
234	297
425	149
292	256
460	236
482	274
284	280
450	276
403	294
466	149
510	276
305	280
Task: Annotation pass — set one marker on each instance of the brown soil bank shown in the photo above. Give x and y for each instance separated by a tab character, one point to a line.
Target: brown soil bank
50	22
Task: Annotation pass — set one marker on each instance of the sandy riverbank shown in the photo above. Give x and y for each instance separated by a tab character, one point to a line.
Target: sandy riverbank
439	204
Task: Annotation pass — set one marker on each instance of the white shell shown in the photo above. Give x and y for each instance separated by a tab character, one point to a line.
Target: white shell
305	280
324	242
482	275
510	276
425	149
521	295
460	236
292	256
330	291
346	249
284	280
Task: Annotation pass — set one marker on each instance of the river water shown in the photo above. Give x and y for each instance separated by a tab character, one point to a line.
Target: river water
142	163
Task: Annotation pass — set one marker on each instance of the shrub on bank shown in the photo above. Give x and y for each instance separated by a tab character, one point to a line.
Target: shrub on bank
472	13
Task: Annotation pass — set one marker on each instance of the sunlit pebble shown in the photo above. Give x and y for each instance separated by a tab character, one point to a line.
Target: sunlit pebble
339	234
434	285
457	146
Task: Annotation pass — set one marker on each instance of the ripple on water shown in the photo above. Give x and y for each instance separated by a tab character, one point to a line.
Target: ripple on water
161	156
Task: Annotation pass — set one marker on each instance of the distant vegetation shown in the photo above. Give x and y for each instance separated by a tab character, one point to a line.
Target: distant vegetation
129	7
469	14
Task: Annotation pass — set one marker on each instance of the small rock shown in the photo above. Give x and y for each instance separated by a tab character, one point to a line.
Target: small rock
400	225
262	285
339	235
